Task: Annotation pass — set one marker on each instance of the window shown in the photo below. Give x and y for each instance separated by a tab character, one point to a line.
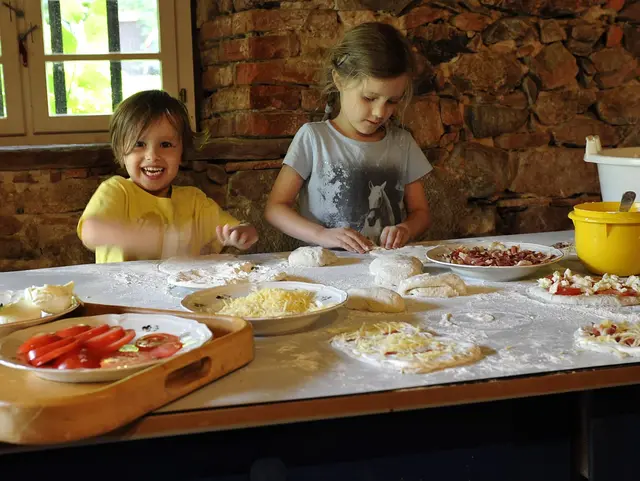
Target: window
65	64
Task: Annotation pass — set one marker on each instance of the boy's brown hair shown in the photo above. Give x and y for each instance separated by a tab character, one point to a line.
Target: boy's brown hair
372	49
137	112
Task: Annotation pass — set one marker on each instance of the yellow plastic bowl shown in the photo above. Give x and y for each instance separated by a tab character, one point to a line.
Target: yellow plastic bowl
607	241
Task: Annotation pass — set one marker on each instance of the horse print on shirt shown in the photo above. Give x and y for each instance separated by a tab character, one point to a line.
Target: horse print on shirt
380	212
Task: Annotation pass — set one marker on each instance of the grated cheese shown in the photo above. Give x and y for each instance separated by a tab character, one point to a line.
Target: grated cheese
271	302
624	333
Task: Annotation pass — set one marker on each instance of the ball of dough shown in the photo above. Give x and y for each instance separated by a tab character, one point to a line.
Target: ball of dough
426	285
312	256
390	270
375	299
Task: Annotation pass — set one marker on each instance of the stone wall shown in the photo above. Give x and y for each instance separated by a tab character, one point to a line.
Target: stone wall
508	91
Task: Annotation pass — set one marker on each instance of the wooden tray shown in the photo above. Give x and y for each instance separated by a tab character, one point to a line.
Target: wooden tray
37	411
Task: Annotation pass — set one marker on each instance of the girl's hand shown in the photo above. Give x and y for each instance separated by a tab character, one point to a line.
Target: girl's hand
242	236
394	236
345	238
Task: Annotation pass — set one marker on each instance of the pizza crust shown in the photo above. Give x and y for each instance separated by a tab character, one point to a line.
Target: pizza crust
437	352
542	294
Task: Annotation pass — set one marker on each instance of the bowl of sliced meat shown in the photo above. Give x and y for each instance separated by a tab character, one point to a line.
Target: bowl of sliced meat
494	261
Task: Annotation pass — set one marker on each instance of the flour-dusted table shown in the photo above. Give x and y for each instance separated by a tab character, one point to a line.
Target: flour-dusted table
298	377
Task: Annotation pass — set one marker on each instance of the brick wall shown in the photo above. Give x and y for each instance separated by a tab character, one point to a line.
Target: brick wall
508	91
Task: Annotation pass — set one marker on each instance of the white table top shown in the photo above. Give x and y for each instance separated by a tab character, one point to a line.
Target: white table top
526	336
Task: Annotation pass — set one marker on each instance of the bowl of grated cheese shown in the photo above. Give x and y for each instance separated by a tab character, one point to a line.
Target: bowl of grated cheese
272	308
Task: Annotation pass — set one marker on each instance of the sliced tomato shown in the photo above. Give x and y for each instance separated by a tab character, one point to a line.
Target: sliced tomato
151	341
629	293
101	329
42	350
51	355
165	350
77	359
124	359
568	291
101	341
129	334
609	292
73	330
38	340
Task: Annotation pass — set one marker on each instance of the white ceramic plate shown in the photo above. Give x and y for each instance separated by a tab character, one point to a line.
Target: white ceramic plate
211	301
8	296
492	273
192	334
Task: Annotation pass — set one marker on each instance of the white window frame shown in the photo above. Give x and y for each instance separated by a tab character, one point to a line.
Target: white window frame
38	127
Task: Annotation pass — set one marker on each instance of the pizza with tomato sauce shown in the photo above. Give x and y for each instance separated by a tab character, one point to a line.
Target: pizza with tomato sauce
569	288
621	338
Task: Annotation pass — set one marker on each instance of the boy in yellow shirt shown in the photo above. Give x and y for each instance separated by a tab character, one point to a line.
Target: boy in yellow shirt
144	216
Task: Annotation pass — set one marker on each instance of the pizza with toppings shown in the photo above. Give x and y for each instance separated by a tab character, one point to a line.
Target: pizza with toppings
497	255
622	338
400	346
569	288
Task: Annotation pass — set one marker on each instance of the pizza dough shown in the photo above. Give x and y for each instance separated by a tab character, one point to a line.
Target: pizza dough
173	265
417	251
235	272
390	270
592	300
312	256
399	346
375	299
426	285
621	338
51	299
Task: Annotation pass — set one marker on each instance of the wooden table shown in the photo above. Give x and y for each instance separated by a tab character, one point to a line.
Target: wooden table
271	392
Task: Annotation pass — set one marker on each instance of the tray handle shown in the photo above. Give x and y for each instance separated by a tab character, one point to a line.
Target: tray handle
187	378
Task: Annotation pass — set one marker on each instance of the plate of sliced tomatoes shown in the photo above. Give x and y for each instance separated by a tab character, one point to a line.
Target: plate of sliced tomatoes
100	348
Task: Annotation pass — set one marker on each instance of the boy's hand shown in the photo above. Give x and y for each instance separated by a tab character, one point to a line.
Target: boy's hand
242	236
345	238
394	236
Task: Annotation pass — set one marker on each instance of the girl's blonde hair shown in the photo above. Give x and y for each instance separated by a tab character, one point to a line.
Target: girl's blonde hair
374	50
137	112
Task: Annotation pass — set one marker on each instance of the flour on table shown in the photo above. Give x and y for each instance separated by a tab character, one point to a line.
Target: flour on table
389	271
220	274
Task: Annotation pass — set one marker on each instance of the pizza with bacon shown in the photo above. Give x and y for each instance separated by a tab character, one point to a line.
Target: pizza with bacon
497	254
621	338
569	288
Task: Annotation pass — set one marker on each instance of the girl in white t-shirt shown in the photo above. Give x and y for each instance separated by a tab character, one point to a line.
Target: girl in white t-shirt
358	175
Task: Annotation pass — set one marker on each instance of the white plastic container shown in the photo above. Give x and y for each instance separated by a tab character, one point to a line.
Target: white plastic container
618	169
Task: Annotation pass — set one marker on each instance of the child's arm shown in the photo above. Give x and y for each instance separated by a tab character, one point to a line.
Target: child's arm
280	213
134	240
417	221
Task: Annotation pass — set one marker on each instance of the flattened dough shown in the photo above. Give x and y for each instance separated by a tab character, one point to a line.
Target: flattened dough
234	272
390	270
375	299
539	293
426	285
312	256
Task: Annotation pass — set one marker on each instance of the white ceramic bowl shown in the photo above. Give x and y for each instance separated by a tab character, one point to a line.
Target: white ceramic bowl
492	273
210	301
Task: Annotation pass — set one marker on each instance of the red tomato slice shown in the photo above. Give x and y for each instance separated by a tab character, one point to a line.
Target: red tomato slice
151	341
51	355
73	330
569	291
124	359
101	329
129	334
609	292
101	341
42	350
165	350
36	341
77	359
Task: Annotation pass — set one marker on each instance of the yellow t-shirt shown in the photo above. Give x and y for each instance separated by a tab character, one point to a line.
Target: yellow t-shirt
188	209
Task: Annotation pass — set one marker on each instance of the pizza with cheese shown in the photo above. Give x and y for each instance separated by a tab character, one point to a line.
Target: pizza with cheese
569	288
622	338
399	346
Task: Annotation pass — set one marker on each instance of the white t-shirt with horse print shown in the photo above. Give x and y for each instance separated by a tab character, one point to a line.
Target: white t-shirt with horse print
349	183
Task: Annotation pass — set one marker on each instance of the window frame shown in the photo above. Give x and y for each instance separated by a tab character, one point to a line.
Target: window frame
176	56
13	123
